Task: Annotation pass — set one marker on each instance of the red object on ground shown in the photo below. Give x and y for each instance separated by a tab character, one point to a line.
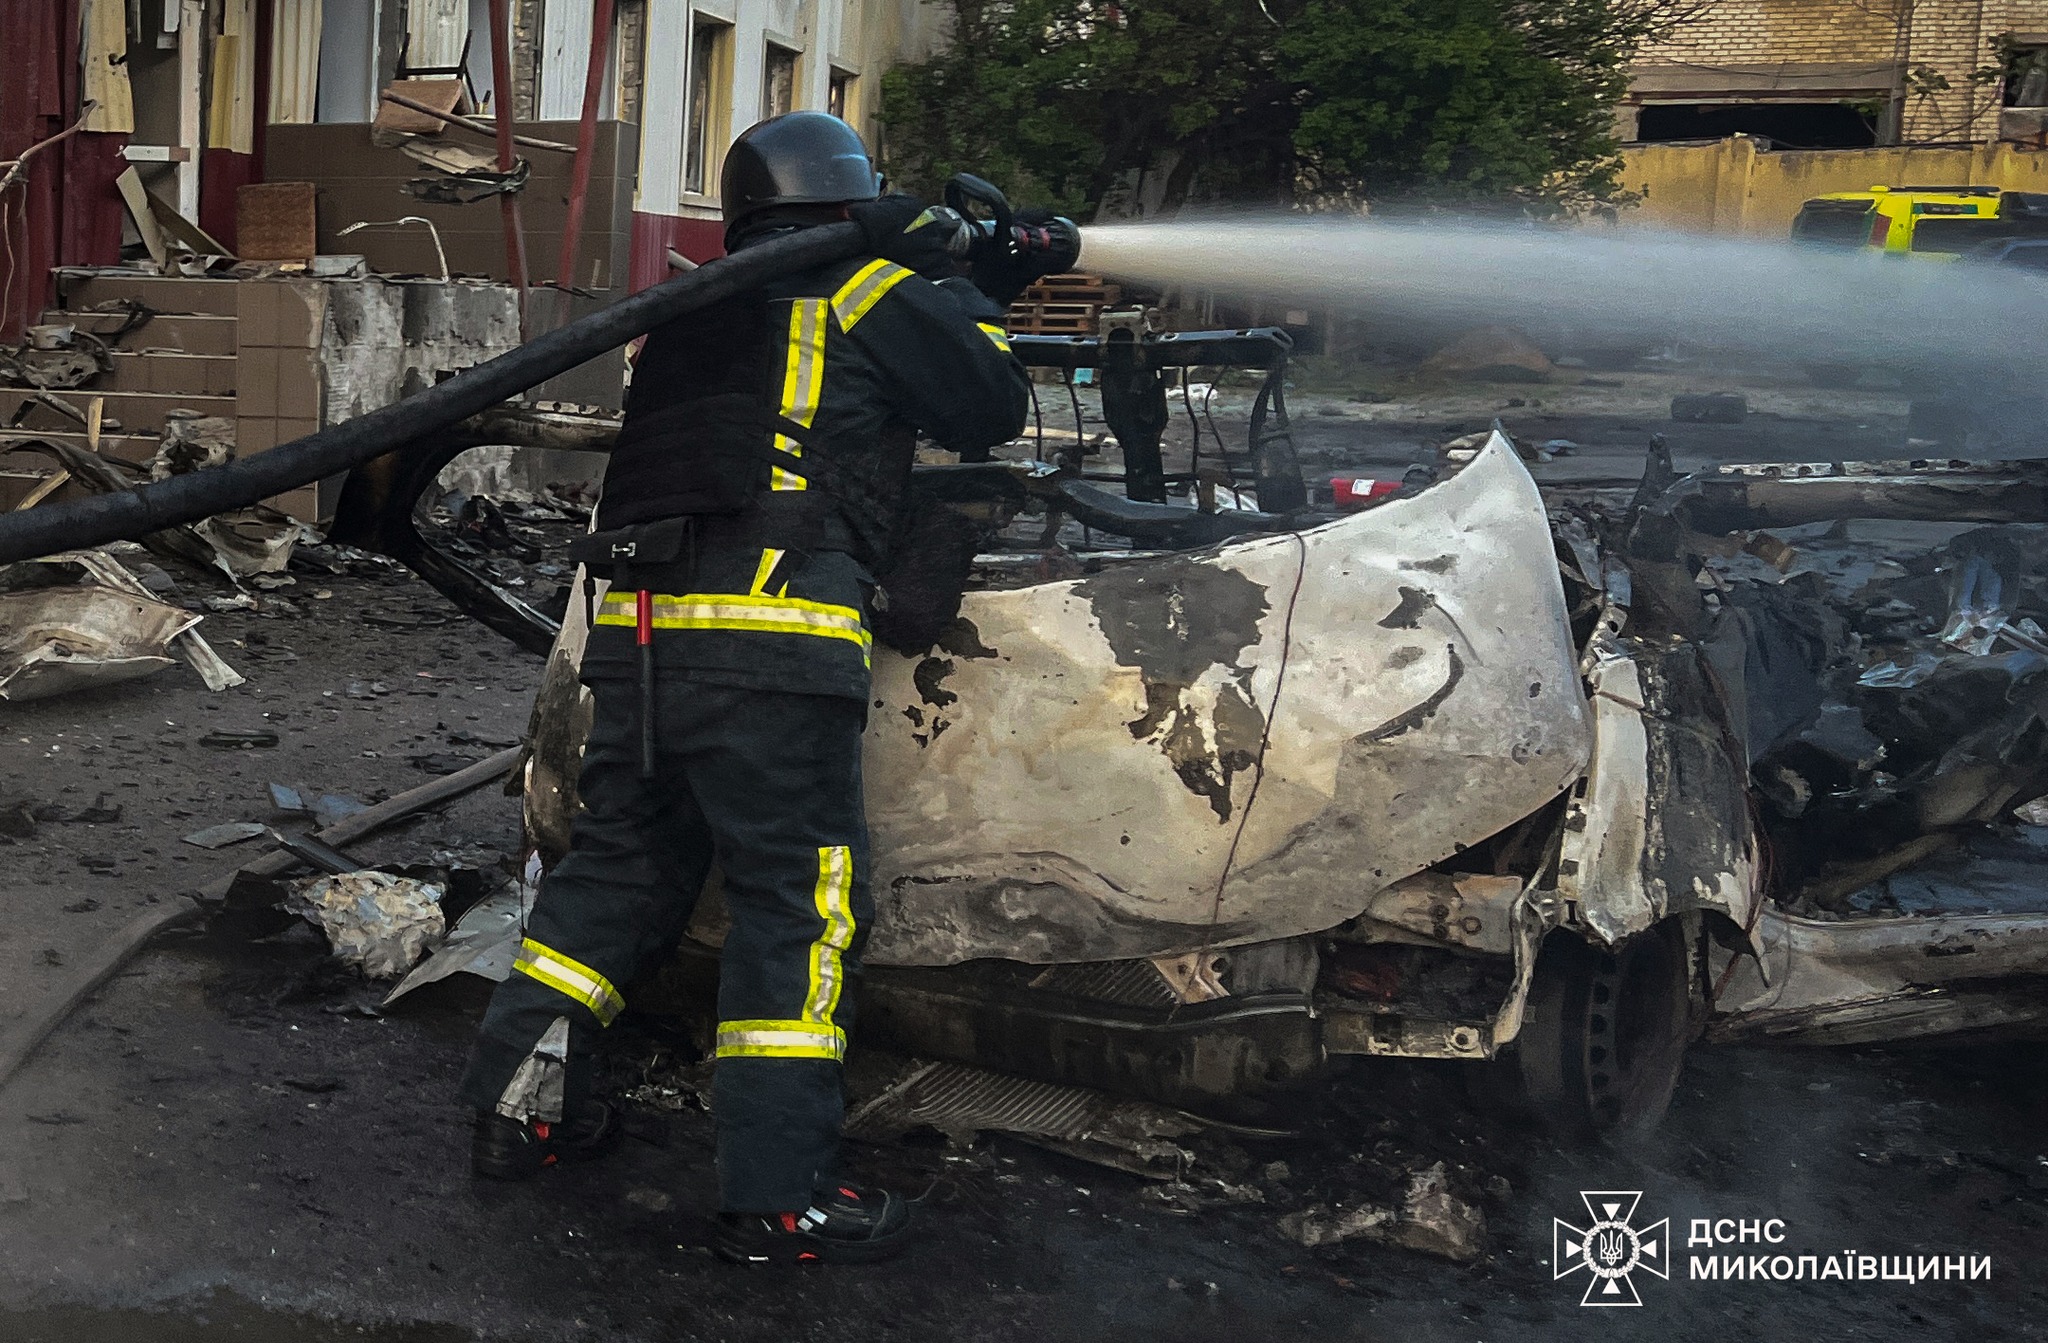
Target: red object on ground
1358	491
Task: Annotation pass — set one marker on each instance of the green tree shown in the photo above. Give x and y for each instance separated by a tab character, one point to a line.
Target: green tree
1290	101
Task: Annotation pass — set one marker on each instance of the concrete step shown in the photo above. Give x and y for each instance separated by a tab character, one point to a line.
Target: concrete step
187	334
86	290
134	412
168	373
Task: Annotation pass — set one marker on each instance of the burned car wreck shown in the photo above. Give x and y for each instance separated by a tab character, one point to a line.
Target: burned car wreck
1553	788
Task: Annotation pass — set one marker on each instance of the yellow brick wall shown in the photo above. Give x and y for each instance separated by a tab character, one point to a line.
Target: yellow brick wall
1756	32
1948	37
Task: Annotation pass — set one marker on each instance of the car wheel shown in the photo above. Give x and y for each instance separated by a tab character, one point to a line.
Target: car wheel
1603	1035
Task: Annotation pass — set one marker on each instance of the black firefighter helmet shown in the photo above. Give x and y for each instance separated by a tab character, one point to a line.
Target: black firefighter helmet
800	158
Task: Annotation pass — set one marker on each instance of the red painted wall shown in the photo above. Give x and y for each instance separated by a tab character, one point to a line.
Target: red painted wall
700	240
66	211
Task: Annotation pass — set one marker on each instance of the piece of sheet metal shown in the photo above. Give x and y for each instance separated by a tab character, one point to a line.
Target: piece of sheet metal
1857	980
60	639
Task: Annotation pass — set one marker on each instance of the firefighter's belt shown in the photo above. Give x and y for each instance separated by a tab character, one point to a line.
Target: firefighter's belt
802	522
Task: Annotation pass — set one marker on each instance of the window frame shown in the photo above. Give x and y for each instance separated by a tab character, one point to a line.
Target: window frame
778	56
707	118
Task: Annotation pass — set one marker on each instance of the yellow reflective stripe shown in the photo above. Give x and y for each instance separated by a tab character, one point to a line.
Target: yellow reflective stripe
721	605
572	978
760	614
769	559
780	1040
803	379
996	334
832	898
865	290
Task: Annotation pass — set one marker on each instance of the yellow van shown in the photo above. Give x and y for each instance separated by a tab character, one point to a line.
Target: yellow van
1886	218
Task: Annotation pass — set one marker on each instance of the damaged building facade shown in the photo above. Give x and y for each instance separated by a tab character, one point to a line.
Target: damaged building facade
215	214
204	97
1844	74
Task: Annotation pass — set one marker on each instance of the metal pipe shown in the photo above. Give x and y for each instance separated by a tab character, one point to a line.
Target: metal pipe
405	219
466	123
83	523
508	202
586	140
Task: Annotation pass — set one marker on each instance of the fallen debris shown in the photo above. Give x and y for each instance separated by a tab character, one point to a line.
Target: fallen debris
376	922
1492	354
58	639
103	567
483	942
230	739
325	809
224	834
20	1038
1430	1219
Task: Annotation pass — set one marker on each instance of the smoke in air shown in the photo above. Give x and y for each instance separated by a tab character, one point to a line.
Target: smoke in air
1643	288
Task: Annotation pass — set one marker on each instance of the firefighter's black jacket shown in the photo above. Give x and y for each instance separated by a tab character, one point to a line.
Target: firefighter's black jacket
784	420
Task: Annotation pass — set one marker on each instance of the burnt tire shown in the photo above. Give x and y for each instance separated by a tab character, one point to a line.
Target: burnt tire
1603	1037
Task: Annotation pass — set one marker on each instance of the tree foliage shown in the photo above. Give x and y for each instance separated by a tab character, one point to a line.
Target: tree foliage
1273	101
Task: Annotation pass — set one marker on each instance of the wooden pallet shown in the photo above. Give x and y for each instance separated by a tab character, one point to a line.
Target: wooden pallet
1063	305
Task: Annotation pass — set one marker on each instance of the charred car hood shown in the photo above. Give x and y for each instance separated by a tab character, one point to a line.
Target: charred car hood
1067	777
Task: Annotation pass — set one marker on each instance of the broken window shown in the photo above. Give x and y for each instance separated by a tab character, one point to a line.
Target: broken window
839	99
1817	125
2026	74
778	81
710	103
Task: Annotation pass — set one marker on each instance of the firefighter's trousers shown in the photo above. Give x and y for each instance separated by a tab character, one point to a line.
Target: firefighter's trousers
769	783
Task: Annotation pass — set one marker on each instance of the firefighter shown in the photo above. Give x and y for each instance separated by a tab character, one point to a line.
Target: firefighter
753	494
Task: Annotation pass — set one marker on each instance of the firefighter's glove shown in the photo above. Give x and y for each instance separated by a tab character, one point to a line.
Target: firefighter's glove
1005	274
900	229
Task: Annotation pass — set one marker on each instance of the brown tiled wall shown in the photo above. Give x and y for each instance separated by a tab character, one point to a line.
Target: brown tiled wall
278	389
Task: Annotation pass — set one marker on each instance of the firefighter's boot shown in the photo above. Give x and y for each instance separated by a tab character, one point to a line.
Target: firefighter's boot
844	1224
507	1149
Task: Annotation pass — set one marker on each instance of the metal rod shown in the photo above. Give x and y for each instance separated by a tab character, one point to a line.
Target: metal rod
466	123
508	203
586	140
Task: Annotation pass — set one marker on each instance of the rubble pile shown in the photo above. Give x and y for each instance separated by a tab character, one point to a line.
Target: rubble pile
1895	693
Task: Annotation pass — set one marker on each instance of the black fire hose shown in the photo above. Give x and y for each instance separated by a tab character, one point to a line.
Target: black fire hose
128	514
